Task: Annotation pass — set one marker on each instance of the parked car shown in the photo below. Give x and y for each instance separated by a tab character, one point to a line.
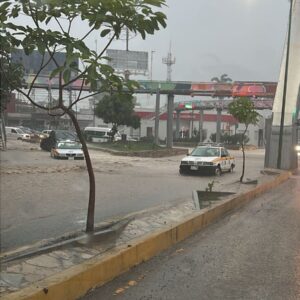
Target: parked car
56	136
207	159
16	133
66	150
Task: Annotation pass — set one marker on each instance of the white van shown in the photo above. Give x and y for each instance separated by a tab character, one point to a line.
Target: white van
99	134
16	133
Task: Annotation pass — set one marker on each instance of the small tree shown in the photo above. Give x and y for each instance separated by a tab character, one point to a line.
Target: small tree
244	111
50	30
223	79
118	109
11	76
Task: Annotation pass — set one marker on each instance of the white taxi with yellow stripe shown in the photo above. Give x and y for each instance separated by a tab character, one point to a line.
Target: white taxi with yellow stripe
210	159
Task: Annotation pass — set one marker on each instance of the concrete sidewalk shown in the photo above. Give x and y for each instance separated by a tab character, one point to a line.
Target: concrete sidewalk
68	272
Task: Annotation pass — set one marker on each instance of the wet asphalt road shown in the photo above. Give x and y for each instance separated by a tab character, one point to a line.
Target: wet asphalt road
46	199
253	253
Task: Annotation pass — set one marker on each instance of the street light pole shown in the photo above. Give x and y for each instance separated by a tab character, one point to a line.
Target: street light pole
151	64
284	88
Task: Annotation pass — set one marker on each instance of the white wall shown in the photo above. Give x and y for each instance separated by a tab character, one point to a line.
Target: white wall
210	127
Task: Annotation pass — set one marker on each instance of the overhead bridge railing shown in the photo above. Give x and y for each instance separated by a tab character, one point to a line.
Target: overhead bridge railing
236	89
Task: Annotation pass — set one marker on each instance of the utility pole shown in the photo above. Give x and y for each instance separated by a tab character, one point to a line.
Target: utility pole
156	126
70	102
151	64
127	72
127	39
169	60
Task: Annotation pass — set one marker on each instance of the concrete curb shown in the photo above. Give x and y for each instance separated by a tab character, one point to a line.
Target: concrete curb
78	280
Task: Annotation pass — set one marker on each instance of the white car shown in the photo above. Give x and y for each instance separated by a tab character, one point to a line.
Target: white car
207	159
66	150
16	133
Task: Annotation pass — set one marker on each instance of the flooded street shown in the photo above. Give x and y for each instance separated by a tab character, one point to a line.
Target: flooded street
43	198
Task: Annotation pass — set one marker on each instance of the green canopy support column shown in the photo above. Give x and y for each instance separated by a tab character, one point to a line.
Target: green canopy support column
177	123
218	132
170	121
156	125
201	116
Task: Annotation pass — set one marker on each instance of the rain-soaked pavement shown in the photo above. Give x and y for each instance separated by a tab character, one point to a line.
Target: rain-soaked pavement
43	198
253	253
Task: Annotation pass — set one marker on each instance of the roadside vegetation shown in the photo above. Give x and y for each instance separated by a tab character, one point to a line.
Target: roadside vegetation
128	146
118	109
244	111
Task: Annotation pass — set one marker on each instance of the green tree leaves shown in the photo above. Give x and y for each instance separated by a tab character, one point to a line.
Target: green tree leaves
118	109
103	16
11	76
223	79
244	111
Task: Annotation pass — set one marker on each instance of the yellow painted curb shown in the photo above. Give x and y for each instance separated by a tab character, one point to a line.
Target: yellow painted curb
78	280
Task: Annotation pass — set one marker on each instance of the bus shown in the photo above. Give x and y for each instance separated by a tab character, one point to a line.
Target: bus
99	134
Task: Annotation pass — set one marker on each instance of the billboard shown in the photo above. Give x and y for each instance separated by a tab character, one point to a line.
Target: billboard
248	90
32	62
134	61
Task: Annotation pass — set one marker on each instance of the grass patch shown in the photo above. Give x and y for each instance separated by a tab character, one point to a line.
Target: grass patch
128	146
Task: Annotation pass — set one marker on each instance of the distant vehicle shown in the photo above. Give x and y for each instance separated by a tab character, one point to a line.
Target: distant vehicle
66	150
34	135
40	134
46	132
16	133
207	159
100	134
56	136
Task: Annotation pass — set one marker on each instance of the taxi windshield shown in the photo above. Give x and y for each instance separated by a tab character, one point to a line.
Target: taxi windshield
206	152
68	145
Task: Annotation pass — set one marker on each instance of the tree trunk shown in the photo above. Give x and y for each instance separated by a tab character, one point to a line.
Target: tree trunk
243	170
243	150
92	195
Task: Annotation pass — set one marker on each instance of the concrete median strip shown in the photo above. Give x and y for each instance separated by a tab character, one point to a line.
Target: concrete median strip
77	280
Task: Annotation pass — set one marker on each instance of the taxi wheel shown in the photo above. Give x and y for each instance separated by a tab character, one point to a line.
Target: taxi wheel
183	171
218	171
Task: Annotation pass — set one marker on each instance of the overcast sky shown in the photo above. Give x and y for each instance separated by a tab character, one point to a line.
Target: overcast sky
242	38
